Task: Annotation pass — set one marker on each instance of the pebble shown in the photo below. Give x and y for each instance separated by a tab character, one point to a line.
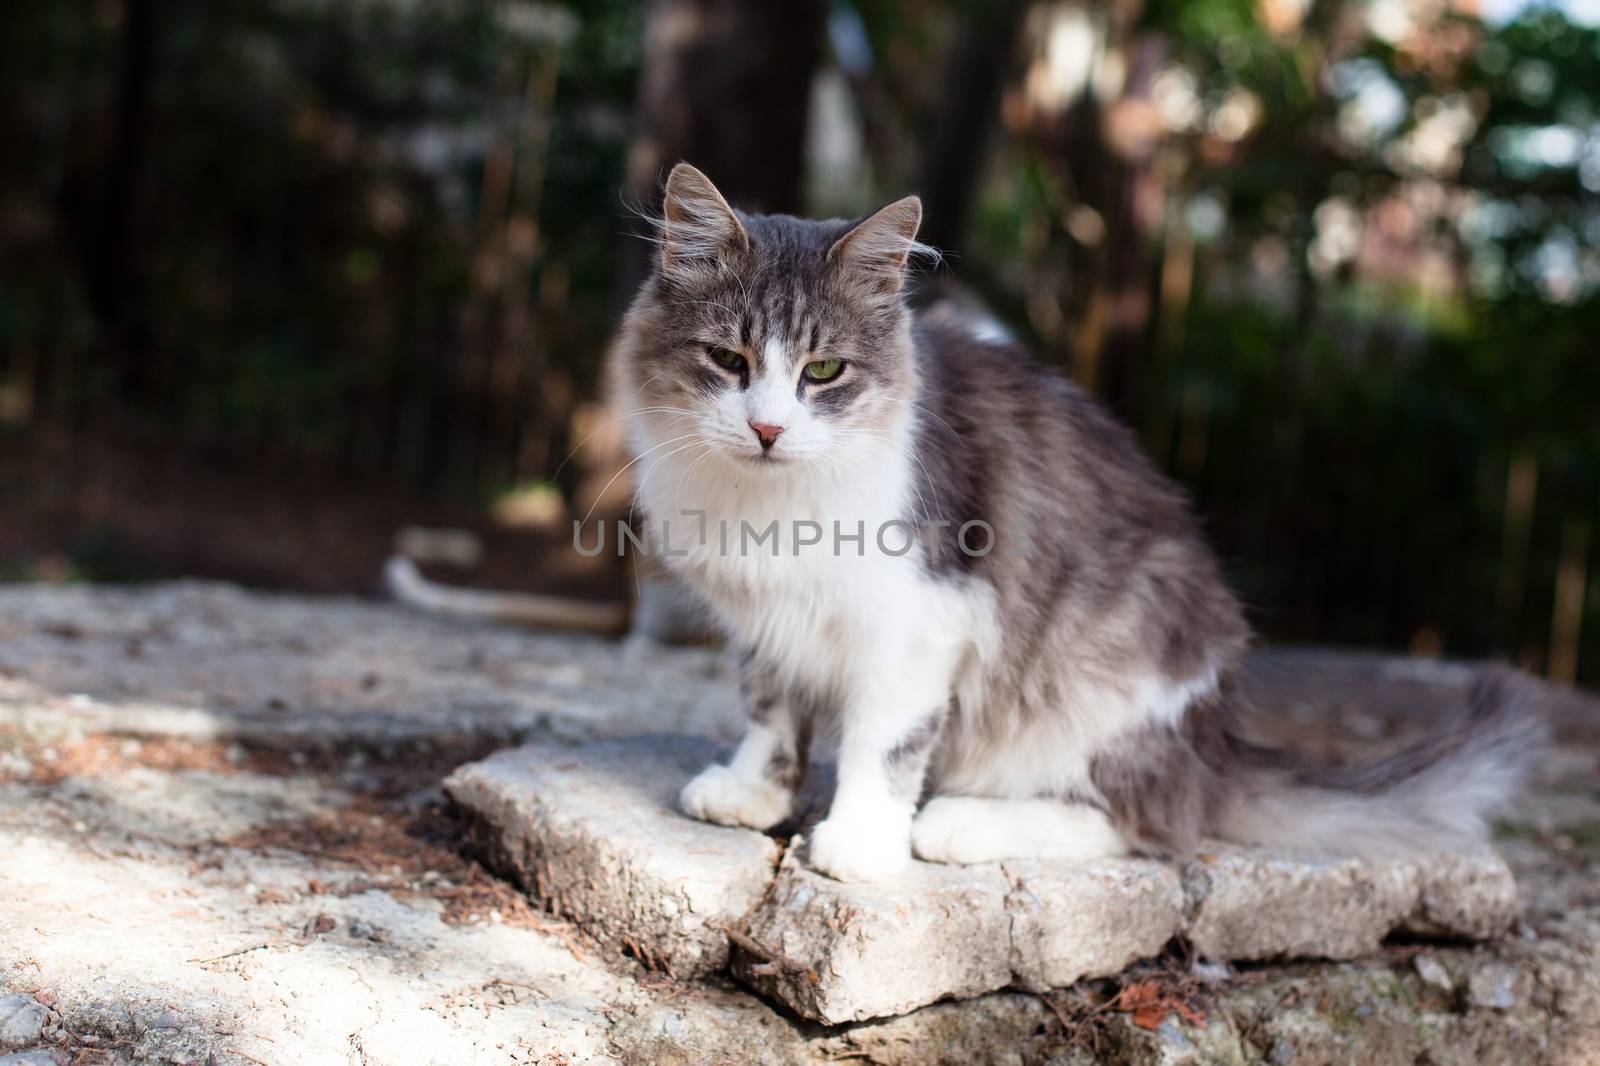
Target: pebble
360	930
1433	973
1493	985
22	1019
165	1020
1173	1037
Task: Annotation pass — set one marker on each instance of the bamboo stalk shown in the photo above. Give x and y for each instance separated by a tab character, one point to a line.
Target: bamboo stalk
1522	486
1566	623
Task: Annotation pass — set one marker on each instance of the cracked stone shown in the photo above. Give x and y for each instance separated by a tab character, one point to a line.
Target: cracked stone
1072	920
840	952
593	830
1251	905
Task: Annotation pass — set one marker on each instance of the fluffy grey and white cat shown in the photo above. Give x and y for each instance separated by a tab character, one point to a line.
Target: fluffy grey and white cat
1046	671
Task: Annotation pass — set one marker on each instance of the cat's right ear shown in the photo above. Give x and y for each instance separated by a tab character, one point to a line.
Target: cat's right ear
698	228
875	250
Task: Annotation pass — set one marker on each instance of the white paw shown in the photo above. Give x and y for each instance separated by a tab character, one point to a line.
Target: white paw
860	850
722	796
956	829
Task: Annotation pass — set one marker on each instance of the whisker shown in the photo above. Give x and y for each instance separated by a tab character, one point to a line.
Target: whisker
634	499
677	496
612	421
661	459
918	405
602	493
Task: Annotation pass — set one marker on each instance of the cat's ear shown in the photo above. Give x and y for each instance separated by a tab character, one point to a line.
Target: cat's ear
698	228
875	249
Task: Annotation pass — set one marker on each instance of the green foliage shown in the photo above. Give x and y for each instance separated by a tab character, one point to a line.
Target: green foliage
1352	435
308	205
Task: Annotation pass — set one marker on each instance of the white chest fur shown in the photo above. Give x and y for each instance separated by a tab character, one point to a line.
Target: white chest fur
812	566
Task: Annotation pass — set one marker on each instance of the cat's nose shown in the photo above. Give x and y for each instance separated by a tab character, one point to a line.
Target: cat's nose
766	434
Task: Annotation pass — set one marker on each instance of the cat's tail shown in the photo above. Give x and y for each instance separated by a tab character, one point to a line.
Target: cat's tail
1434	794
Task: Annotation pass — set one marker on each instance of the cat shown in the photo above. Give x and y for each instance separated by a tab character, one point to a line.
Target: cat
1039	657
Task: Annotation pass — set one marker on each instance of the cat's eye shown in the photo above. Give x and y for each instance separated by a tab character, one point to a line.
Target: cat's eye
726	358
823	369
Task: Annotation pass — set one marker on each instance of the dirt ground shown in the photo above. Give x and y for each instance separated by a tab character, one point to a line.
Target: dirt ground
103	507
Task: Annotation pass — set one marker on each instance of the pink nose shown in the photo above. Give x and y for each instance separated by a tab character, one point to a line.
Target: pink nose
766	434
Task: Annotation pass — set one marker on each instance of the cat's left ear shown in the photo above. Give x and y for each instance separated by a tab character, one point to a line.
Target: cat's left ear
875	249
698	228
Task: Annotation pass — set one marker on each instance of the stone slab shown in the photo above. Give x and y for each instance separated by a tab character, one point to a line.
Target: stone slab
593	830
1074	920
1245	905
595	833
838	952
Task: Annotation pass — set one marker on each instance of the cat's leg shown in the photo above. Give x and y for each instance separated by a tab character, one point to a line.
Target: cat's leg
757	787
966	829
888	731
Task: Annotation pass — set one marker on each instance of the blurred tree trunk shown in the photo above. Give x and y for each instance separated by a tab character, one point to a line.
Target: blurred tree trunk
1114	160
956	132
1132	205
113	281
725	86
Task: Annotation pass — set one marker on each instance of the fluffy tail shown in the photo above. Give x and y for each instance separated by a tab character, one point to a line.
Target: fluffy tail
1432	795
407	585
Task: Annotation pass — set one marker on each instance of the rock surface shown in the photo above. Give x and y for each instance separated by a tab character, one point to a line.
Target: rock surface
841	952
201	660
219	842
593	829
22	1019
1070	921
1250	906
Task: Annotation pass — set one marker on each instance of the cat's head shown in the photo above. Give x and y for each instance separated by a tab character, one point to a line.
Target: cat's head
770	340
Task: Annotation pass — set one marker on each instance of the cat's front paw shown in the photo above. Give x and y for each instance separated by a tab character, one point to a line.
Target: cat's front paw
859	850
719	795
955	829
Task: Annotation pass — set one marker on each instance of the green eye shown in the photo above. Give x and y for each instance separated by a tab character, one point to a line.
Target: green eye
726	358
823	369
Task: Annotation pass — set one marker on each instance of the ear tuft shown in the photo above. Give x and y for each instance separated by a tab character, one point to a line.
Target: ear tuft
698	227
876	248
